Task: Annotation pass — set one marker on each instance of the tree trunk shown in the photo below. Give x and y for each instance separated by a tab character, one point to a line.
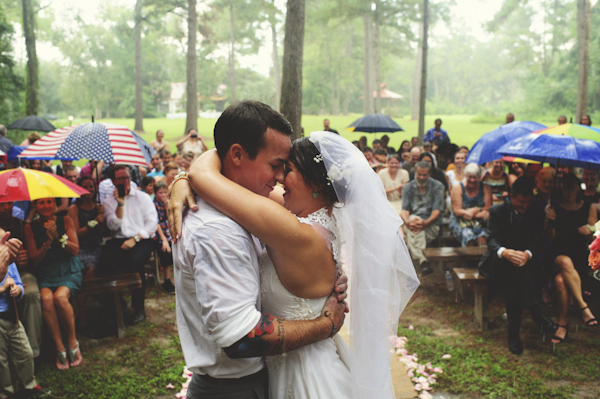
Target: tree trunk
368	86
139	104
377	61
423	89
348	53
415	96
583	38
276	67
231	52
191	87
32	76
293	52
331	78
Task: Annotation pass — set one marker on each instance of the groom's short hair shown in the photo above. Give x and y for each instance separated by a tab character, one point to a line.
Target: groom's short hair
245	123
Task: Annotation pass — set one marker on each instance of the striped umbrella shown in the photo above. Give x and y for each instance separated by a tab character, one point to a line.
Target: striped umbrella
99	141
27	185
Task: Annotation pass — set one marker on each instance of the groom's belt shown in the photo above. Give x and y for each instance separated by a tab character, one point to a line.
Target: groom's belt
247	378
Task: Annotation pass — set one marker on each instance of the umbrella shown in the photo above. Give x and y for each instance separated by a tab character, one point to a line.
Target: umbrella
99	141
14	152
374	123
486	148
573	129
555	149
32	122
28	185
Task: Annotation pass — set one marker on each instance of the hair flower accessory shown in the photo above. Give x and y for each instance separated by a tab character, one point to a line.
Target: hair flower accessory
92	223
63	240
318	158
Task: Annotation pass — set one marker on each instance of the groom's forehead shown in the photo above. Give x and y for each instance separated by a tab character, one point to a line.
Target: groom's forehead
276	146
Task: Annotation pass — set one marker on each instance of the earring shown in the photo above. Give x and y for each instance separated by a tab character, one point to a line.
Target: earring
315	195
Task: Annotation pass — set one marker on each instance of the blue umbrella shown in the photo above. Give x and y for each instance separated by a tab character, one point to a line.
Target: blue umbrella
555	149
375	123
486	148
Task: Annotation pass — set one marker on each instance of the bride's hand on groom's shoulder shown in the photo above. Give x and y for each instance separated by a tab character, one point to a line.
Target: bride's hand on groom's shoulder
181	195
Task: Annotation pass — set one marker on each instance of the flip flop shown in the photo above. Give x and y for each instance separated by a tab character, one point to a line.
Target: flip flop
72	353
62	358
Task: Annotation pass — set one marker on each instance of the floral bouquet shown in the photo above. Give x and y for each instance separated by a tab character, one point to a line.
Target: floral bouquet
594	258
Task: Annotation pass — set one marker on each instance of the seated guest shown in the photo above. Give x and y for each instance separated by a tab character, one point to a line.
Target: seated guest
368	153
394	179
13	340
148	186
88	219
186	161
385	140
409	166
586	120
162	239
363	142
514	238
457	174
591	178
71	174
30	306
132	221
380	156
157	166
106	187
414	141
165	157
94	170
376	145
176	157
422	203
567	226
52	248
497	179
170	171
470	205
404	147
515	170
60	169
436	173
544	184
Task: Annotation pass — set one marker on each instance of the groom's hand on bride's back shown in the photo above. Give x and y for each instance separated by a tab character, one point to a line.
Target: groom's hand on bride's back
180	195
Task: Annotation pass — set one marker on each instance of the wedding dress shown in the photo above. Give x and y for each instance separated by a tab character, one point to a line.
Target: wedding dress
319	370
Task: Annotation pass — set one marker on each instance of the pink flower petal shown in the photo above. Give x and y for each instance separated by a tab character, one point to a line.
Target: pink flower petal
411	327
446	356
170	386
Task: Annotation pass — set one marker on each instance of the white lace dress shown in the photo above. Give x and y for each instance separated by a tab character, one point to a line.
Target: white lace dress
314	371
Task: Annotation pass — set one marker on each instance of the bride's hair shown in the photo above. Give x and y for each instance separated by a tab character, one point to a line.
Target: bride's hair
305	156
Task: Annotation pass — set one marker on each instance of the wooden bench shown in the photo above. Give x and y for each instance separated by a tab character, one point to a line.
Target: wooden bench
460	255
114	284
480	292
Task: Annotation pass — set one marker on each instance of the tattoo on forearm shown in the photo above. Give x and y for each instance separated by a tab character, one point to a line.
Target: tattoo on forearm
261	340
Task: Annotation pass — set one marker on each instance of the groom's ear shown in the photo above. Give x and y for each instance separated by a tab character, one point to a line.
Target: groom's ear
236	154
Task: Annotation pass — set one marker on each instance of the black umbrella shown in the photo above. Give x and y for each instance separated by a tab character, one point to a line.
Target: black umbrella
32	122
375	123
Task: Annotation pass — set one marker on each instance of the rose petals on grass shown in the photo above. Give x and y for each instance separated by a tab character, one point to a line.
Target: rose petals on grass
422	375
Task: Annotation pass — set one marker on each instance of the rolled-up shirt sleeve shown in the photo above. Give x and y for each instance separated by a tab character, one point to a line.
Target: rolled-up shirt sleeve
150	217
227	284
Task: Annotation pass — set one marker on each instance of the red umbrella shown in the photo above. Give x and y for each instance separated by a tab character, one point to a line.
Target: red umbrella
28	185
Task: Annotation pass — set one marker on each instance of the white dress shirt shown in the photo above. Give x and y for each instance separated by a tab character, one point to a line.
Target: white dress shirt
218	292
139	216
106	189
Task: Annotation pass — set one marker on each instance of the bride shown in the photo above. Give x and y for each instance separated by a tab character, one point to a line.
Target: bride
335	215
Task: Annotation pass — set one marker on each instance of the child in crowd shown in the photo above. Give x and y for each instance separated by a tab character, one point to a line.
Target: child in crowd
14	344
163	235
148	186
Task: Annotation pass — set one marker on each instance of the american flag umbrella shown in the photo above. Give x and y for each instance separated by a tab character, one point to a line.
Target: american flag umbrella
98	141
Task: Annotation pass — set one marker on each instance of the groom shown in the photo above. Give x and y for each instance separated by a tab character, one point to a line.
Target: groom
223	333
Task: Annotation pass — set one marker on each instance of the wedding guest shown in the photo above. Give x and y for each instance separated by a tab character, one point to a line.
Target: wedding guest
385	140
394	179
94	170
186	161
363	142
435	173
457	174
470	205
404	147
368	153
414	142
586	120
52	247
160	143
165	157
170	172
162	239
176	156
567	226
415	154
148	183
156	167
515	170
497	179
31	138
192	142
380	156
591	179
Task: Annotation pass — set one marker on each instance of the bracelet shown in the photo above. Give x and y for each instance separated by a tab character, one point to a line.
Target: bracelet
180	175
332	323
119	204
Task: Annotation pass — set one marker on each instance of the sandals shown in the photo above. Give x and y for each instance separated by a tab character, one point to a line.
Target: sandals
589	321
72	353
559	339
62	358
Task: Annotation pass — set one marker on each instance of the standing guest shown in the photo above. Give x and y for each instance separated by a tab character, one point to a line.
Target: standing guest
368	153
586	120
52	248
409	166
192	142
436	134
88	219
148	185
457	174
470	205
162	238
327	128
385	140
567	226
497	179
513	241
591	179
6	144
562	120
31	138
14	345
394	179
30	306
132	221
422	203
160	143
510	117
165	157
